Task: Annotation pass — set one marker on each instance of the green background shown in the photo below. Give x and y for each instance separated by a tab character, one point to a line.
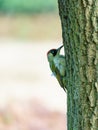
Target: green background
28	6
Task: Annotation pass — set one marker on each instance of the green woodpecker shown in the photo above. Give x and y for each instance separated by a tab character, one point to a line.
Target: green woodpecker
57	65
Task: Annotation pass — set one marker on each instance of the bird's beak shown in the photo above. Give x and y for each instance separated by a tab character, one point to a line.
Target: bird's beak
59	48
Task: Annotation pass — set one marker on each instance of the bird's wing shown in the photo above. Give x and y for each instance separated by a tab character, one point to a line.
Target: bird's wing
60	64
58	67
57	74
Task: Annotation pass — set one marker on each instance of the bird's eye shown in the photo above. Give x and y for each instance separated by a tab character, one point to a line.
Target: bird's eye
54	52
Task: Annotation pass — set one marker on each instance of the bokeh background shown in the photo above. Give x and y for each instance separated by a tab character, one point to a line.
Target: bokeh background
30	96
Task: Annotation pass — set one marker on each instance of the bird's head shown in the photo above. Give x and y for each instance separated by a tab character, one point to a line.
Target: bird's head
53	52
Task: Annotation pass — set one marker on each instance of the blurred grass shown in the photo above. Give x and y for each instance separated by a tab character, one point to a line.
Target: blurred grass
30	19
31	27
28	6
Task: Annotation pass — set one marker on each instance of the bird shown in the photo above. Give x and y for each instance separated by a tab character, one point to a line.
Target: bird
57	65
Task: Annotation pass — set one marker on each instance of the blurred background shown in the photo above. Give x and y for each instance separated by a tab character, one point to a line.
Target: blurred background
30	96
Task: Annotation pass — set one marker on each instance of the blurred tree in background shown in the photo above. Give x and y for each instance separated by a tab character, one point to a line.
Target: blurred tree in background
28	6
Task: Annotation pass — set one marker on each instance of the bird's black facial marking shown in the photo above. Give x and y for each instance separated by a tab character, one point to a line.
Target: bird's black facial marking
54	52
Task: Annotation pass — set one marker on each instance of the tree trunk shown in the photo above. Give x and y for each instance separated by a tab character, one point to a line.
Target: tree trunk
79	20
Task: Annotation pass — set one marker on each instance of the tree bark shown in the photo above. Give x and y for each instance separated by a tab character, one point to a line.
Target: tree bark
79	20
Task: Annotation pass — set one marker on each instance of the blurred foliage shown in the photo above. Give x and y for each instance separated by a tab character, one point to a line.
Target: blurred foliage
28	6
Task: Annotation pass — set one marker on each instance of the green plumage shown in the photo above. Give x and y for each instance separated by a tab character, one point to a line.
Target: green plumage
57	65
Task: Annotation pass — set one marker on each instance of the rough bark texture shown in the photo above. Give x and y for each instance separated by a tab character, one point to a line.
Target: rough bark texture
79	19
